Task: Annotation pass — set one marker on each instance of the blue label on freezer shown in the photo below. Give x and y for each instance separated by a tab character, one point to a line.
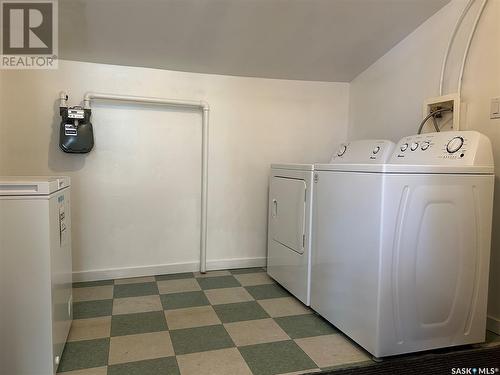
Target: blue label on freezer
60	199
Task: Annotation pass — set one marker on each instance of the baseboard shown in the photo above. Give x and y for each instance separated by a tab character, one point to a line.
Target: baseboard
160	269
493	325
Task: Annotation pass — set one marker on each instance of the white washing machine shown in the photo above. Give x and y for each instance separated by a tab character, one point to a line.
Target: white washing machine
401	258
291	199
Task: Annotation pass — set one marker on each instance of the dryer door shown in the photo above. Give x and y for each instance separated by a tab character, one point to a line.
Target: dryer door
288	210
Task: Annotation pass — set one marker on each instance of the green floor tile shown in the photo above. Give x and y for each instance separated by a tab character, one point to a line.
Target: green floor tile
135	290
181	300
92	309
309	325
86	284
130	324
175	276
200	339
235	312
267	291
239	271
276	358
84	354
218	282
160	366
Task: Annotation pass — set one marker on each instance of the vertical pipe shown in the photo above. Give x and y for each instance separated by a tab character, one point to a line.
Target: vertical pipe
450	43
204	150
204	190
469	41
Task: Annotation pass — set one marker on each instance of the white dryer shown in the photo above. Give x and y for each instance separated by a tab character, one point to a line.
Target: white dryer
401	258
291	199
289	227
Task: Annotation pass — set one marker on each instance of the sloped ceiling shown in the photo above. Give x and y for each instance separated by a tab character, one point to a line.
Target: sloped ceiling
324	40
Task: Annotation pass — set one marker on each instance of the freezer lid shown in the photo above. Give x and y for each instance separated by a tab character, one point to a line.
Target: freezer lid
32	185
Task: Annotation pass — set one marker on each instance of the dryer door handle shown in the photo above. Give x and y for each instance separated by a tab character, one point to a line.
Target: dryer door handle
275	207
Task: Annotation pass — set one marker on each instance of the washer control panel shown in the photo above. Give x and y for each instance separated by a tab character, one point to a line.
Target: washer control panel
363	151
452	147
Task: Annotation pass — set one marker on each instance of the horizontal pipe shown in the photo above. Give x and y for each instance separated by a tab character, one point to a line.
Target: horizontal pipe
145	99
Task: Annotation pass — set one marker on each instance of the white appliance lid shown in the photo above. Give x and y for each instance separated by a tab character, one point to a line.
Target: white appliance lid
294	166
32	185
372	168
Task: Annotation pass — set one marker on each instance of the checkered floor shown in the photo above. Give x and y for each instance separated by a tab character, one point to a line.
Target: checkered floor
220	323
223	322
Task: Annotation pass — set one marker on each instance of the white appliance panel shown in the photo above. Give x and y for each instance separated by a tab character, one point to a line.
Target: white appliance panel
61	269
435	261
346	229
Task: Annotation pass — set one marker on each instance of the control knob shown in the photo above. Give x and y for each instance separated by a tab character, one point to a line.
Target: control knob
342	150
454	145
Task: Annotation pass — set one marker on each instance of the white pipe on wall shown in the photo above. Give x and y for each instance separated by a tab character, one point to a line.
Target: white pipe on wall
469	41
194	104
450	43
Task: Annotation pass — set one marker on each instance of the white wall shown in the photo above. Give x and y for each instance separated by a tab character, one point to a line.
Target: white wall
136	196
386	99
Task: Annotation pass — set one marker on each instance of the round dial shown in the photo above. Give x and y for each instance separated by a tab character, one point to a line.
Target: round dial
342	150
404	147
414	146
425	145
376	150
454	144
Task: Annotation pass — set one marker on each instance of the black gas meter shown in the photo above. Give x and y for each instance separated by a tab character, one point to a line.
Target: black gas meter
75	133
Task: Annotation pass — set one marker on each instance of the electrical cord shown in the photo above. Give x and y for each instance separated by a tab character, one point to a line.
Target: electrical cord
432	114
435	123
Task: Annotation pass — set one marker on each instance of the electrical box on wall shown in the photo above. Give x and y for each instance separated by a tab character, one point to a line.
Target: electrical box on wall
446	120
